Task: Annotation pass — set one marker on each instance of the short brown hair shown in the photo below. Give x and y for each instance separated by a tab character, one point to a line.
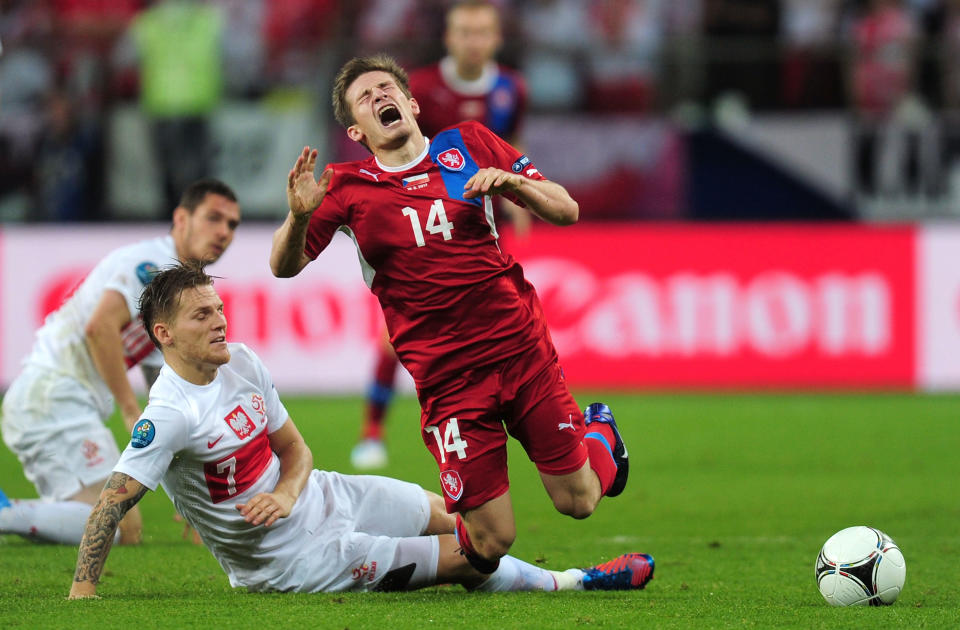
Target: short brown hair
353	69
473	5
196	192
161	297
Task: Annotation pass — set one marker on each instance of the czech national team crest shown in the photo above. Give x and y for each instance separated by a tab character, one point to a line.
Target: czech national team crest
452	484
452	159
240	422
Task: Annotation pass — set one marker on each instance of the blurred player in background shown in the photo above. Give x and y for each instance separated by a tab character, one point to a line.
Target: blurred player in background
463	319
467	84
55	410
218	438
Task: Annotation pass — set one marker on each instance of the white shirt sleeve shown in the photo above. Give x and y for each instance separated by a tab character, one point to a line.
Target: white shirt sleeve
160	433
127	281
277	414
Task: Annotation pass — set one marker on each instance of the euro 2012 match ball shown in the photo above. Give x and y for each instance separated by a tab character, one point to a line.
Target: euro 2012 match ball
860	566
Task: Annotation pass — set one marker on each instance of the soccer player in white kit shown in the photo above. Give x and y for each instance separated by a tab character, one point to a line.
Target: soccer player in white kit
217	437
54	412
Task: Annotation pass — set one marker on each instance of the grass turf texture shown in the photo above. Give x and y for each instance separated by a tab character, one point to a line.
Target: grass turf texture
732	494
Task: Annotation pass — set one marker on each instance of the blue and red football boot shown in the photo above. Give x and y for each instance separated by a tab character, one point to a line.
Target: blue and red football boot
626	572
599	412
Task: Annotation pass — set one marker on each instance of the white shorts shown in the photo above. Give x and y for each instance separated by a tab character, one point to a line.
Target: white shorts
370	525
54	427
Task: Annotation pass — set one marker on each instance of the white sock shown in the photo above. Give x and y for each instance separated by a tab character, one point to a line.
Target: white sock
517	575
60	522
570	580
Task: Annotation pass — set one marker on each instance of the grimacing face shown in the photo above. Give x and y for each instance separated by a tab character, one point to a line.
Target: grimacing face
206	233
385	116
196	336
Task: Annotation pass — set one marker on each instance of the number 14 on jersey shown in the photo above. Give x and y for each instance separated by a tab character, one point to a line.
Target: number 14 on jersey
437	222
451	441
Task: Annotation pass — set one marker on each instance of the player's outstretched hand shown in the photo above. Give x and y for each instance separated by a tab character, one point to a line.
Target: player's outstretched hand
266	508
491	181
304	192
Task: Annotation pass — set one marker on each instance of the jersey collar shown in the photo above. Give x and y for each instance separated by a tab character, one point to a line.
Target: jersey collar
408	165
477	87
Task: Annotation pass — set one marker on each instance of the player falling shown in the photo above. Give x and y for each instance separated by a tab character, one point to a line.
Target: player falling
464	321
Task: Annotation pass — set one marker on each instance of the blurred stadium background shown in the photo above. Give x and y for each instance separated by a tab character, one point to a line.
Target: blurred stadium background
769	189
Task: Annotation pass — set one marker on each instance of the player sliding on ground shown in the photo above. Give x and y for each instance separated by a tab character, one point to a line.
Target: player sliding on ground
216	435
461	316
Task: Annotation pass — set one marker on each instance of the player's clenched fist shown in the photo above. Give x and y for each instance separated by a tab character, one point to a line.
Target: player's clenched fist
491	181
304	192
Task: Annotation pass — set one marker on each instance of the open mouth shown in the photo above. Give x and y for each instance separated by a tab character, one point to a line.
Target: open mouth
220	339
389	115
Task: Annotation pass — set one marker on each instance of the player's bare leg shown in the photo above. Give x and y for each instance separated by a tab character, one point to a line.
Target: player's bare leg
603	474
440	521
486	532
576	494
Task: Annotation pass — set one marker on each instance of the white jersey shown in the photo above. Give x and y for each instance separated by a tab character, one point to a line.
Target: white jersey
208	445
61	344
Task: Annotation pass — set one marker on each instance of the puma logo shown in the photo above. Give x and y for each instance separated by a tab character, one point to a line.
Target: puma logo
375	176
565	425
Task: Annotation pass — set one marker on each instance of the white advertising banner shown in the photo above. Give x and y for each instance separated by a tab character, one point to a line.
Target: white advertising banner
316	332
938	307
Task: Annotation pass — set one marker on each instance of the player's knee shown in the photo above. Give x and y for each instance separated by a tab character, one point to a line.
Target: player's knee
440	522
576	505
493	544
493	548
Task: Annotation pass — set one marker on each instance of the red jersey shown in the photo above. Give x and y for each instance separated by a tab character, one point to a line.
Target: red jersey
498	99
451	299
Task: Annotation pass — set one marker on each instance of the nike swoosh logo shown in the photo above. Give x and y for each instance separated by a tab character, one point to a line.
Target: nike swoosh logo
214	443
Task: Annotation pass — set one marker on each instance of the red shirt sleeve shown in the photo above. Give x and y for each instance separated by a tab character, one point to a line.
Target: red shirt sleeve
492	150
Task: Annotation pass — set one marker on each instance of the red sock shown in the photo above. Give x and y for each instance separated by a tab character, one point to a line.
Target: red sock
373	423
605	430
379	396
601	459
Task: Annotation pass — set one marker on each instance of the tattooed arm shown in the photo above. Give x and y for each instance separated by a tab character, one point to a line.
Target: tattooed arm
119	495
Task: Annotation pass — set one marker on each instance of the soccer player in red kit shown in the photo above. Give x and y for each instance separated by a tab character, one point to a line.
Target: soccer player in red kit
463	319
467	84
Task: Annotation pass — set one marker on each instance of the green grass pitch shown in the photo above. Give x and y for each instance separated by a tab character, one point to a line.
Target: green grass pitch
733	495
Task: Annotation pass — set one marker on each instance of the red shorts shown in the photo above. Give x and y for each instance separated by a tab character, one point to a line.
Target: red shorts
465	422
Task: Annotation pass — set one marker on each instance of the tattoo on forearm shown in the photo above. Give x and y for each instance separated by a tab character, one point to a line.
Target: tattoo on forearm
102	527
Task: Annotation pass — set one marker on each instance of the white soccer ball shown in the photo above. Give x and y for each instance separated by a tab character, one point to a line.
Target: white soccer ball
860	566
